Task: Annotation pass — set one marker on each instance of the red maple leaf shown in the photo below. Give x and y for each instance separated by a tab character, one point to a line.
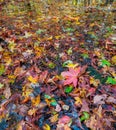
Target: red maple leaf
71	76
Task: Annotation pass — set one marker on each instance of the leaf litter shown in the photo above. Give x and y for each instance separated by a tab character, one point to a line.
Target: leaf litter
58	72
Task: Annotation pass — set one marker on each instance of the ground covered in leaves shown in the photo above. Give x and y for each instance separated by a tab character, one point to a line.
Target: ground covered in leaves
58	72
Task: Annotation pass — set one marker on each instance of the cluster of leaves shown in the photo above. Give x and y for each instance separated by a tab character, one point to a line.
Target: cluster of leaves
57	73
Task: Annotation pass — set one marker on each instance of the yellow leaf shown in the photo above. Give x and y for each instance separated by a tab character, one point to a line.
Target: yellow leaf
58	37
78	101
71	65
35	101
32	111
114	60
95	82
39	51
33	79
11	78
54	118
50	38
26	91
11	46
48	101
82	93
46	127
92	24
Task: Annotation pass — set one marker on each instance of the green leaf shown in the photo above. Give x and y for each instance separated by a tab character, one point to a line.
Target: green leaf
1	85
69	30
84	55
85	116
105	62
39	31
109	29
51	65
69	51
68	89
66	63
111	80
47	96
54	103
2	69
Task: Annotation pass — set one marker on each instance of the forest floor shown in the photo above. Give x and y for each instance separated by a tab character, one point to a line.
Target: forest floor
58	70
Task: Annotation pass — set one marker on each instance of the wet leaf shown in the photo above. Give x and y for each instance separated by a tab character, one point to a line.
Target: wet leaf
85	116
111	80
35	101
66	63
78	101
7	92
71	76
113	60
33	79
2	69
68	89
54	118
39	31
100	99
1	85
105	62
64	120
53	103
46	127
51	65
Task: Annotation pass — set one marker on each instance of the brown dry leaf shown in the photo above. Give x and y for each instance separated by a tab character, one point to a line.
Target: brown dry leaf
99	112
92	123
7	92
84	106
18	71
43	76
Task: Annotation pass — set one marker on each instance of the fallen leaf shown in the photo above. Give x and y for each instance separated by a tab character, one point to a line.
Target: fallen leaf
64	120
1	85
46	127
32	111
7	92
111	100
54	118
78	101
99	99
71	76
35	101
33	79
